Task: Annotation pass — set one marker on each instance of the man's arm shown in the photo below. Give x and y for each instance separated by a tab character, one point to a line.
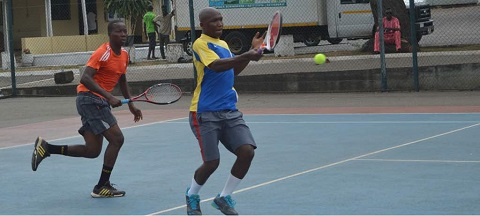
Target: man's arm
243	60
88	81
145	29
238	62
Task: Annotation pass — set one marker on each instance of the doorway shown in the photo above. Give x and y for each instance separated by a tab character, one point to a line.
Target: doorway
92	17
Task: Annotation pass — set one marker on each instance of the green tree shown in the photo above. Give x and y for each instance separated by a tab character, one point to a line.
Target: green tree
131	10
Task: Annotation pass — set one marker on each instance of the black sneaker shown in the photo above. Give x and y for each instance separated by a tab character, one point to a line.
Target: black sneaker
193	204
106	191
225	204
40	152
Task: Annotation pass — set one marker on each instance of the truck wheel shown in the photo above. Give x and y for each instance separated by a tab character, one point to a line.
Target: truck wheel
187	47
334	40
237	42
311	40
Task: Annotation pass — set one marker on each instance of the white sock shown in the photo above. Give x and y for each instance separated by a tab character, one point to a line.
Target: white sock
230	186
194	188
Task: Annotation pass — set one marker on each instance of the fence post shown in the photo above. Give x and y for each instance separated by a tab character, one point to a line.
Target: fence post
383	67
413	42
193	37
9	10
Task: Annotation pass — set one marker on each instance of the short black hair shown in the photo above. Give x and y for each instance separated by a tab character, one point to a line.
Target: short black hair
111	24
150	8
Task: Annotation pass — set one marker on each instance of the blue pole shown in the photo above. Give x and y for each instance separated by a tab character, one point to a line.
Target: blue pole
413	42
383	67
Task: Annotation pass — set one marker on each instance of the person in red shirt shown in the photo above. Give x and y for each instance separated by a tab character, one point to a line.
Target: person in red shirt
105	68
392	33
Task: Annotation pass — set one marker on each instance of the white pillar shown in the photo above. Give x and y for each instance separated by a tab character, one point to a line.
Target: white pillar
48	17
84	15
5	28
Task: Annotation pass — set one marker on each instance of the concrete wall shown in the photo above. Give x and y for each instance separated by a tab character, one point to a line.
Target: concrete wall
63	44
432	78
452	2
29	20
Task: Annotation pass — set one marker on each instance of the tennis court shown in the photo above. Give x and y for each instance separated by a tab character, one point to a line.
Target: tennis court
311	160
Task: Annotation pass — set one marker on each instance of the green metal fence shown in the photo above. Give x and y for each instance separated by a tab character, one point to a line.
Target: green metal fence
446	59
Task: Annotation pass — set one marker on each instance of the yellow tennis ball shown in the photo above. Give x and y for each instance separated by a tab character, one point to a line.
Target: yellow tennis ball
320	58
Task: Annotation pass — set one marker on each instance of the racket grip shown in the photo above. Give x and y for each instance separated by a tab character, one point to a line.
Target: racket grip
125	101
260	51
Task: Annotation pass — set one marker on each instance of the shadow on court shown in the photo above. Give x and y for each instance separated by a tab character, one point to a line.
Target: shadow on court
305	164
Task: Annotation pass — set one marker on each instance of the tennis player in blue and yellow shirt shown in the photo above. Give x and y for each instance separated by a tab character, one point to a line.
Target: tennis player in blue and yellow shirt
214	116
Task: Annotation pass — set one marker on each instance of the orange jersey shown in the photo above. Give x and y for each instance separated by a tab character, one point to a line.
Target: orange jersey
109	66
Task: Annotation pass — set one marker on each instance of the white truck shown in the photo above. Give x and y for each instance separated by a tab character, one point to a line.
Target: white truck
309	21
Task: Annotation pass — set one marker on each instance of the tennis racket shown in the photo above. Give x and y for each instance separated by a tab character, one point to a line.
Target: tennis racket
273	33
160	94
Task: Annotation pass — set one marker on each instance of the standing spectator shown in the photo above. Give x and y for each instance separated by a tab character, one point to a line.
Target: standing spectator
150	30
92	22
164	23
392	32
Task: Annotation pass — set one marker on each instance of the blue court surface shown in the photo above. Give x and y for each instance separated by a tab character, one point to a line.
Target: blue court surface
304	164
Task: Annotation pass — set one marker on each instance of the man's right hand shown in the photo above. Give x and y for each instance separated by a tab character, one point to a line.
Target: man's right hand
254	55
114	102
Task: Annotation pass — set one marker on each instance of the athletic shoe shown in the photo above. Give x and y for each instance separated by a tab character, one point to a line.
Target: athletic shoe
193	204
106	191
40	152
225	204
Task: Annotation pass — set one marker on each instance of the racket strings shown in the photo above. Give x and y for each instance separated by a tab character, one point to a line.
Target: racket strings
163	94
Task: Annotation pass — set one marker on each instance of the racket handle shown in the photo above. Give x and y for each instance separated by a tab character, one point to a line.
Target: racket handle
125	101
260	51
262	47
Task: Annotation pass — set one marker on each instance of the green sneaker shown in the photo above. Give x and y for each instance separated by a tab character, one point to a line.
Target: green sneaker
193	204
225	204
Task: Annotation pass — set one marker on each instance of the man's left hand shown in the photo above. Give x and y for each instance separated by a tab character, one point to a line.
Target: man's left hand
137	113
257	40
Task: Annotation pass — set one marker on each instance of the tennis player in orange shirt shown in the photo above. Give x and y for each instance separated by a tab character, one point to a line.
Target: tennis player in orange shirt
107	67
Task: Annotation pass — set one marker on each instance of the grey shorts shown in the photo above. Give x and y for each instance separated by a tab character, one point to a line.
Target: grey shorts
227	127
95	112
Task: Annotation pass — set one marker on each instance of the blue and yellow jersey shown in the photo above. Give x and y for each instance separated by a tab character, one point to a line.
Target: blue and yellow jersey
214	90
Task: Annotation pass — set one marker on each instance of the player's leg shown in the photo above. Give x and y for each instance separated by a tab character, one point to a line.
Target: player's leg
91	149
207	134
88	108
115	140
238	139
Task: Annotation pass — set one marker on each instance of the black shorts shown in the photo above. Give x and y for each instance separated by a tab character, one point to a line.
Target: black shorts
95	112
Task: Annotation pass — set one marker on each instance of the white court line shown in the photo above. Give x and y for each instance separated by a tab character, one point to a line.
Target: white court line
325	166
355	122
427	161
70	137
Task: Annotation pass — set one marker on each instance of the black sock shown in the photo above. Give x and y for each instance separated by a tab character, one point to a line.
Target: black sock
54	149
105	177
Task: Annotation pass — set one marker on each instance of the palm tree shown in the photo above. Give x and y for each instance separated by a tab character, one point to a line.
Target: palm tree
131	11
